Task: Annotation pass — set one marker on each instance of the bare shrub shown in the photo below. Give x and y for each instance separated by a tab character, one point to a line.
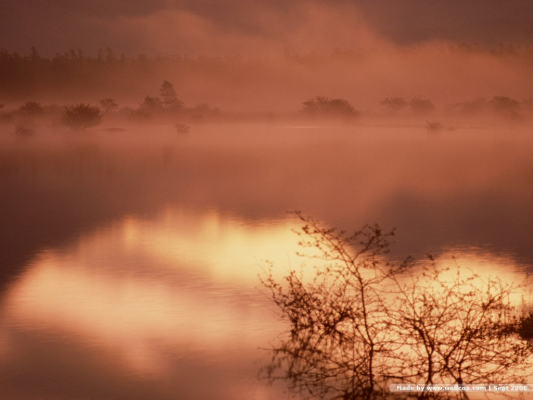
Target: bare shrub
359	322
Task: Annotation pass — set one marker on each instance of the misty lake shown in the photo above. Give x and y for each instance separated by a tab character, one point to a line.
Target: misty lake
131	259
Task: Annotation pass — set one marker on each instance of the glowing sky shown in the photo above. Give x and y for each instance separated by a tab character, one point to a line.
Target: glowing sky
236	26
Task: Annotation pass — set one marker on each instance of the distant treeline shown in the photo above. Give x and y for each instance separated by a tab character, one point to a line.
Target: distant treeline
73	71
22	76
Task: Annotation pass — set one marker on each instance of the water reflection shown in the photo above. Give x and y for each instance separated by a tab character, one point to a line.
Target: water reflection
360	324
165	306
165	303
468	187
151	298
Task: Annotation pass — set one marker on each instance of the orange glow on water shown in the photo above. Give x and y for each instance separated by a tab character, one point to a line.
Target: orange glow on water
180	281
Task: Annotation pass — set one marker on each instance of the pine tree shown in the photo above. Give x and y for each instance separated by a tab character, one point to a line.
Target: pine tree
170	99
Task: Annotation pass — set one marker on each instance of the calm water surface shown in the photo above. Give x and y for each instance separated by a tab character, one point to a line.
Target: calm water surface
131	260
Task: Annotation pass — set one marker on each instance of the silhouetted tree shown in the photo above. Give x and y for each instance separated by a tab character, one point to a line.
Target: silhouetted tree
108	105
339	342
324	107
524	326
31	108
358	322
170	99
506	106
81	116
421	106
454	327
394	104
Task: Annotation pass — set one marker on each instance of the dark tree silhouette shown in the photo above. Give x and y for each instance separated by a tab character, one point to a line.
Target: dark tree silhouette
394	104
81	116
169	97
456	327
357	323
108	105
339	342
31	108
321	106
506	106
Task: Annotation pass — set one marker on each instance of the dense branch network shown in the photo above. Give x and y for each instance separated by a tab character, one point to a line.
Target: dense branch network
358	322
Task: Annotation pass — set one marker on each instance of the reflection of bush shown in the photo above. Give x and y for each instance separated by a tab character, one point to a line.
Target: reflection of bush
433	126
324	107
358	323
24	129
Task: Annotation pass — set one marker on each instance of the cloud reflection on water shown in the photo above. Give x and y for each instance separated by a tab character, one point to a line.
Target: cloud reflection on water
170	301
131	295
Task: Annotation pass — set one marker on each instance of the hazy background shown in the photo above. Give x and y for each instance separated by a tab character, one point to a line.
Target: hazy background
272	55
130	252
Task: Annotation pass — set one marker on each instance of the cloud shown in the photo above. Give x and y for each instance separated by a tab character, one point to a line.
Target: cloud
258	29
484	21
208	25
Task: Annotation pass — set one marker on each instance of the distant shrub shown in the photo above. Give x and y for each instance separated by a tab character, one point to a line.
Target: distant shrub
421	106
31	108
394	104
433	126
182	128
81	116
108	105
325	107
506	106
